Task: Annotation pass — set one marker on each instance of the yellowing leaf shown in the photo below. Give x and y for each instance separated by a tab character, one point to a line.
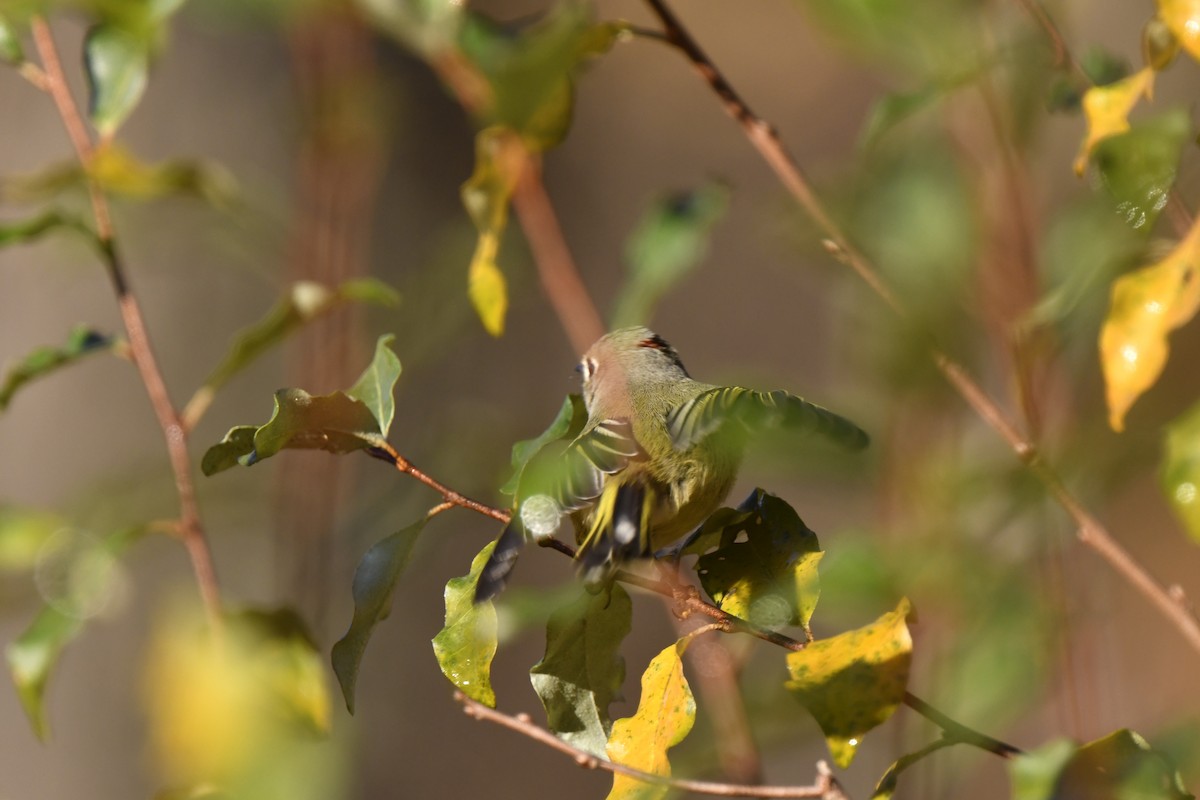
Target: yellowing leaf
1183	18
664	717
854	681
499	159
466	645
1146	305
1107	109
486	285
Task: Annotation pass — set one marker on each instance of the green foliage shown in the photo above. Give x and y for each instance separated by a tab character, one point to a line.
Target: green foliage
1181	469
1138	167
566	425
429	27
466	645
82	341
29	230
582	671
1121	766
669	242
374	583
11	51
23	534
117	65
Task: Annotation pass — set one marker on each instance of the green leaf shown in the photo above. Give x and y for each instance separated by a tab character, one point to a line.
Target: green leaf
119	171
466	645
854	681
1138	167
334	422
427	26
117	63
11	51
566	425
86	574
374	582
375	386
29	230
664	717
893	109
887	783
582	670
82	341
304	302
1120	765
23	534
770	577
669	242
1181	469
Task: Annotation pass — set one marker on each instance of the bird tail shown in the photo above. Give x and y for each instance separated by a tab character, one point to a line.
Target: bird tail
620	531
501	562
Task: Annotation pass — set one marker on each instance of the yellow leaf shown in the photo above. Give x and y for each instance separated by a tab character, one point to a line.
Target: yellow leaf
1183	18
854	681
1107	109
664	717
1146	305
486	285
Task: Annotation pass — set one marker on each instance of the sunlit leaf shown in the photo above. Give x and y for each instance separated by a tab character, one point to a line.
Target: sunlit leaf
119	171
1146	306
466	645
1120	765
499	160
769	577
664	717
374	582
1181	469
428	26
582	670
23	534
1183	18
1138	167
117	62
570	420
486	285
11	51
1107	109
304	302
669	242
82	341
854	681
377	382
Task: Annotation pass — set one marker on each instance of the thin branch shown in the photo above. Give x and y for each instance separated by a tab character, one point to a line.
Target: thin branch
773	151
140	349
957	732
825	786
388	453
1062	53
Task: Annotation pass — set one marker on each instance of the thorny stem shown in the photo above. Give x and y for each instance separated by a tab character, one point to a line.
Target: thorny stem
825	786
1170	602
54	82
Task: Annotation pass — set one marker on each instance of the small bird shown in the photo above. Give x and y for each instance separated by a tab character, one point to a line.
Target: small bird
658	454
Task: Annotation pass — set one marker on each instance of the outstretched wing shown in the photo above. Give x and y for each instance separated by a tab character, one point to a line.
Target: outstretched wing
753	411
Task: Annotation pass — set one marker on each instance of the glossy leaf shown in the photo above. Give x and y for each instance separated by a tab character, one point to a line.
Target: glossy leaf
499	159
1107	109
566	425
1183	18
334	422
769	577
377	383
669	242
1181	469
664	717
304	302
82	341
853	682
466	645
1146	306
117	63
11	51
582	670
1138	167
374	583
1120	765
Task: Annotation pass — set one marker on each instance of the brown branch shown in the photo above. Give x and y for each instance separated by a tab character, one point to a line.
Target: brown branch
825	786
763	137
140	349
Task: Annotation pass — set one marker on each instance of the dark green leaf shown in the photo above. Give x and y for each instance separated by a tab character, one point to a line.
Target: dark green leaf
1119	766
11	51
1103	67
770	577
569	422
28	230
117	62
375	386
669	242
238	443
81	341
1181	469
374	582
582	670
1138	167
466	645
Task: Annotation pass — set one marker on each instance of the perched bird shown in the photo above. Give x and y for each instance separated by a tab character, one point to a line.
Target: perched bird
657	455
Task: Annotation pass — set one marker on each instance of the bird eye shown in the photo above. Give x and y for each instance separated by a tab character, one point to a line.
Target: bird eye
587	368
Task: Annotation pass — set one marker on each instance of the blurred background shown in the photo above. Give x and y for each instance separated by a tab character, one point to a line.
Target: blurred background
930	133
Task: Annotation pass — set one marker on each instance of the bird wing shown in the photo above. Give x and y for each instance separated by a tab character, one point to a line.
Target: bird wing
605	449
714	409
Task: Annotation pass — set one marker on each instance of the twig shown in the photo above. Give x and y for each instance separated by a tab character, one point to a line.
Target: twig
388	453
55	83
1062	53
825	786
957	732
767	142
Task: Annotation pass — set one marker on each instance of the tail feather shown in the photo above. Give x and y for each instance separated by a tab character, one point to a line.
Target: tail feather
620	532
503	559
